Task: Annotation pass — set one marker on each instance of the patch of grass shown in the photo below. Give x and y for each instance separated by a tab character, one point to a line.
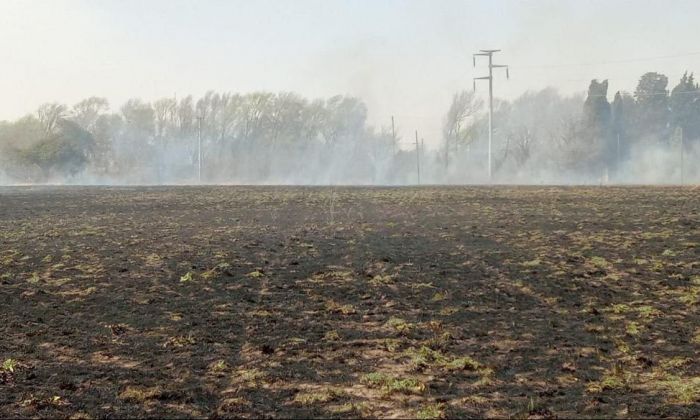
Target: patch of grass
534	409
250	375
668	253
595	328
622	346
632	328
691	296
79	292
647	311
296	340
216	271
233	403
140	394
612	277
620	308
218	366
34	278
382	279
439	341
390	384
682	390
696	337
189	276
331	336
607	383
375	379
9	365
448	310
405	386
180	341
392	344
260	313
427	357
676	362
439	296
423	286
657	265
532	263
362	408
432	411
463	363
335	307
399	324
614	379
317	396
599	262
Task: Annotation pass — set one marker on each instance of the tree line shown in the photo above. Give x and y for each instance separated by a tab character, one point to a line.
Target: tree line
638	137
267	137
248	138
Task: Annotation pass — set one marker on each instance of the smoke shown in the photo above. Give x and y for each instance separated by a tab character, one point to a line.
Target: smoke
656	164
284	139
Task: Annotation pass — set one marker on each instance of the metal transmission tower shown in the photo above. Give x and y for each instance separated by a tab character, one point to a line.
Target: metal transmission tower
489	54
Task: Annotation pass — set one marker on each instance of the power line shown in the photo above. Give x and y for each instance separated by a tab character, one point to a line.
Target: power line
599	63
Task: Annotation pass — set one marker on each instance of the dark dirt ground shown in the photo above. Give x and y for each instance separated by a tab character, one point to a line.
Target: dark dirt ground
346	302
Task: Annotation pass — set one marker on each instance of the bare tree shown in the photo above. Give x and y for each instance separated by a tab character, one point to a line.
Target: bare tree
458	127
49	115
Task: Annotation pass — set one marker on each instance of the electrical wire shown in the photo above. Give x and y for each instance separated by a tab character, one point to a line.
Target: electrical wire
600	63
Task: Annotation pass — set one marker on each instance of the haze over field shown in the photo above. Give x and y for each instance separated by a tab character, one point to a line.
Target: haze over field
303	92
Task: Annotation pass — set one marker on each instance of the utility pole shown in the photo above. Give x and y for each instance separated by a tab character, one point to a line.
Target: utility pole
447	154
422	145
393	136
489	54
199	148
418	157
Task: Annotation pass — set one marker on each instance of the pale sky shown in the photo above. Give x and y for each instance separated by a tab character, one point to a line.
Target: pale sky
403	57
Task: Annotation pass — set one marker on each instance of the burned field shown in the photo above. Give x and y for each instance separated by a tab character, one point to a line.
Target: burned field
347	302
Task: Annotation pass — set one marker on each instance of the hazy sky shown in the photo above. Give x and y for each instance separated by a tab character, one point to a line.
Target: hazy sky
404	57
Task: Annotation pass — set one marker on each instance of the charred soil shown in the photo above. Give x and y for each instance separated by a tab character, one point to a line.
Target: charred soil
346	302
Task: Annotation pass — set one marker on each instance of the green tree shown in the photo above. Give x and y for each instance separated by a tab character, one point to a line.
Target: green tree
685	107
597	119
66	151
652	111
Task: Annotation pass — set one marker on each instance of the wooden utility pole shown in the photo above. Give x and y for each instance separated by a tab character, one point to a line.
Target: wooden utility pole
422	145
447	154
489	54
